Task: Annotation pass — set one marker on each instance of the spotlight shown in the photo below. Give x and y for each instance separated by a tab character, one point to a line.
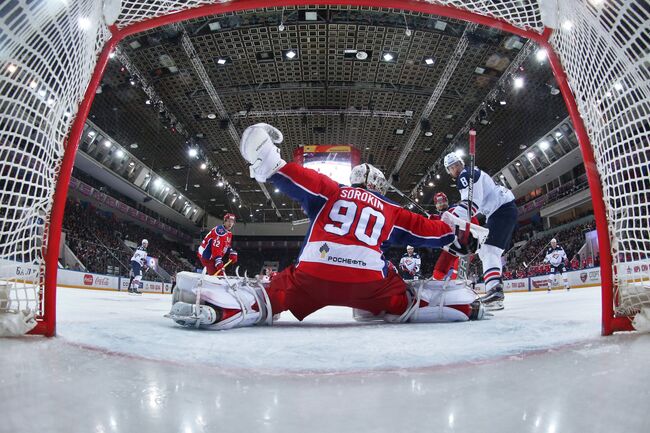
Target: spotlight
518	82
220	184
192	152
203	166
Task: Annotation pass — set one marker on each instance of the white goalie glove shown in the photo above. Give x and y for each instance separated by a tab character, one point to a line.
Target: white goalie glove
258	147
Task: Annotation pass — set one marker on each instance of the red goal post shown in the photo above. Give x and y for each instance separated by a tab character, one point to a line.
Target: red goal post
53	56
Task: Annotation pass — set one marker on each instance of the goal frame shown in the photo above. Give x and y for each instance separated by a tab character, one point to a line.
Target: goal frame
47	325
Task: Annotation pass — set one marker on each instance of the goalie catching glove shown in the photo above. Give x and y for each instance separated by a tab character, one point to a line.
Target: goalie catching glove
258	147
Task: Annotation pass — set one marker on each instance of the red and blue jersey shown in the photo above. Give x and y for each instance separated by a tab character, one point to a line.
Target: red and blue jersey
349	227
216	243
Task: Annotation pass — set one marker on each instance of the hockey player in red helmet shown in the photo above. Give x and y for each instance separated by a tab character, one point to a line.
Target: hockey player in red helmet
446	262
217	245
441	202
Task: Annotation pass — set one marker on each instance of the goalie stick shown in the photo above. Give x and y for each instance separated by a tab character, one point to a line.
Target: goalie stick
413	202
463	264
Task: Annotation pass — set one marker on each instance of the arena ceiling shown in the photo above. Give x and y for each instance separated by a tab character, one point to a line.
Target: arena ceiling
325	93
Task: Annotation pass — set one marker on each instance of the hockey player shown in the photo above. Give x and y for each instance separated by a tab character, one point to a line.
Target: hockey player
138	264
216	245
498	205
555	256
409	264
341	261
447	264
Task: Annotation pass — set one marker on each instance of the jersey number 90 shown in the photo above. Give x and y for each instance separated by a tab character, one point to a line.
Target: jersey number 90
344	213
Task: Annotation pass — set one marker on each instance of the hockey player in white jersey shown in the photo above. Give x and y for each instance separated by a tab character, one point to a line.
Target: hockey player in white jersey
409	264
497	203
555	256
138	262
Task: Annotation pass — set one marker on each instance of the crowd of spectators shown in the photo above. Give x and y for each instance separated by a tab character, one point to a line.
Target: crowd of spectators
97	238
570	239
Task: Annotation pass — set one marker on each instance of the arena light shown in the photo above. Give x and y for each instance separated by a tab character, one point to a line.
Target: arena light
92	134
567	25
618	86
518	82
12	68
203	166
33	84
530	155
290	54
192	152
389	57
220	184
541	55
84	23
196	185
276	190
107	143
111	55
502	102
438	176
460	153
429	61
430	183
157	183
544	145
119	153
234	200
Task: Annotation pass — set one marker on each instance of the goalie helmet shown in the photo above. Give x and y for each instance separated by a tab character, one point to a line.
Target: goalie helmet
441	201
369	177
451	159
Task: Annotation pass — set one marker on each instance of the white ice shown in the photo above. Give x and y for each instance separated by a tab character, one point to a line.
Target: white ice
118	366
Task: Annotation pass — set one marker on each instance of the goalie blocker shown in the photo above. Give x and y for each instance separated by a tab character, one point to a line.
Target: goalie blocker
220	303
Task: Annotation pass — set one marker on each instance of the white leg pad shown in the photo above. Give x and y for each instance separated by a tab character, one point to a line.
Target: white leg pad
439	295
234	293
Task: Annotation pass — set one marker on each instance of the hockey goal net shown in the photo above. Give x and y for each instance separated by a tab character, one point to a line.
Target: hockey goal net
53	53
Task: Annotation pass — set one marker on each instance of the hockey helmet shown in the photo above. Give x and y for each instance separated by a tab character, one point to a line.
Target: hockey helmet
145	242
228	216
409	247
441	201
553	241
451	159
370	177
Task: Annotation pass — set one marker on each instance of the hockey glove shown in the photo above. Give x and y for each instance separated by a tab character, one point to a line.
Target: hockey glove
464	244
258	147
233	256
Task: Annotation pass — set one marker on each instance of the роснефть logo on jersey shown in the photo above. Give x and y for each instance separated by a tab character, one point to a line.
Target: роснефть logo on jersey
324	249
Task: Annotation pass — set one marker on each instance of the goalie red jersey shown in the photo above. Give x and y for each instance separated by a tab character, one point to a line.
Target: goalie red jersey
350	225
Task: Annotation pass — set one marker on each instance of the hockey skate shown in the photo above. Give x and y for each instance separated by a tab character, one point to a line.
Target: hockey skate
134	291
493	299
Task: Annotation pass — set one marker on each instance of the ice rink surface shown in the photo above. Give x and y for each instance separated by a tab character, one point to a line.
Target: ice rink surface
118	366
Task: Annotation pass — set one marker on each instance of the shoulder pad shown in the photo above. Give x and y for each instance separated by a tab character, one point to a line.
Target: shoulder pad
220	230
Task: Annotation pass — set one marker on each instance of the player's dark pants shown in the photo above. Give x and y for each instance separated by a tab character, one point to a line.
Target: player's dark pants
501	224
302	294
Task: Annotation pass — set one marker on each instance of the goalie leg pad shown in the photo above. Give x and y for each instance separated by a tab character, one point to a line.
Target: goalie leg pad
246	297
446	302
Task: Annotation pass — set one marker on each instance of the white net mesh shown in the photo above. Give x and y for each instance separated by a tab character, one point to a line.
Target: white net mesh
48	51
604	47
47	55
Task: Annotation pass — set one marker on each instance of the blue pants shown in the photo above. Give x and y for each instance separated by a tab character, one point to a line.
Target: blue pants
136	268
501	224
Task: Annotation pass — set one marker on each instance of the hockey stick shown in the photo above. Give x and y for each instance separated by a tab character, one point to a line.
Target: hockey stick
463	264
537	255
413	202
223	269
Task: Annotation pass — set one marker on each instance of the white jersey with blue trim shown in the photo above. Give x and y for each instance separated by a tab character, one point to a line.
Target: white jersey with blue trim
555	256
411	263
140	255
487	196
